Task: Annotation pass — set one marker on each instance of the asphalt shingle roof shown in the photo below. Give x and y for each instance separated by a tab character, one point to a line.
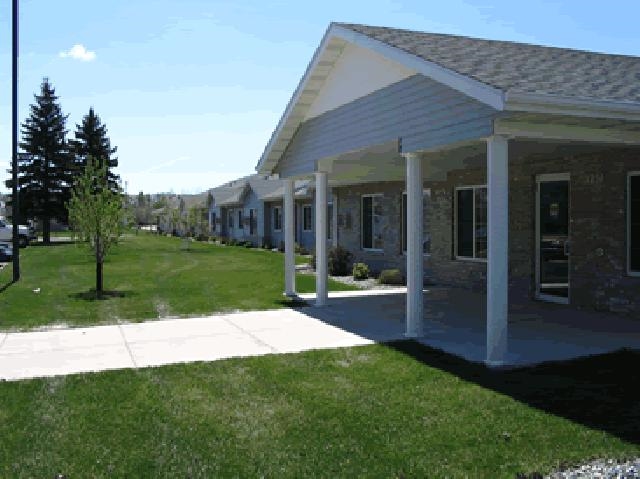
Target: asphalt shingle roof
520	67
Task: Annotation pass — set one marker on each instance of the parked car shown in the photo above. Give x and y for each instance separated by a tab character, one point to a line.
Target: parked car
6	252
6	233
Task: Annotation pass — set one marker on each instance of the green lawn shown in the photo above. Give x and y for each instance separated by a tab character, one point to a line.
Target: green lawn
399	410
149	277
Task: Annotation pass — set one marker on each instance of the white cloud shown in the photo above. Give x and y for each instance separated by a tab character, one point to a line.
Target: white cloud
79	52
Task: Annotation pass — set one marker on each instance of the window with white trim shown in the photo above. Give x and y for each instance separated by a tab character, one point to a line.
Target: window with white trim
240	225
213	221
329	220
471	222
277	218
306	218
426	233
252	220
230	215
371	222
633	223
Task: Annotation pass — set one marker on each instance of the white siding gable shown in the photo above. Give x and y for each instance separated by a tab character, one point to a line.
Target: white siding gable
357	73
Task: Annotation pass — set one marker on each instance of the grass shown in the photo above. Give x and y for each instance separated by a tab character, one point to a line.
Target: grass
400	410
147	277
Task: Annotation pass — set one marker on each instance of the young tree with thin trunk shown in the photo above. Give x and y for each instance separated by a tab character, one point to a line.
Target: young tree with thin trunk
96	214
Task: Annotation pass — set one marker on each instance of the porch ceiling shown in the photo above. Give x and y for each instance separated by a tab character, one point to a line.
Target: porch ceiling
569	128
384	163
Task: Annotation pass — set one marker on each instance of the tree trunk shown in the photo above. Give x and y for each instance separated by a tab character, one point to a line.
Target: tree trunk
98	279
46	230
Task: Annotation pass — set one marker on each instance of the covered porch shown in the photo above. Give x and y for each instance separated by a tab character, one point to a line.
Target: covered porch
519	177
454	321
499	323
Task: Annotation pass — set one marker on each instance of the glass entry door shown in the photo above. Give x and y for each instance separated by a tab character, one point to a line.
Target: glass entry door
552	238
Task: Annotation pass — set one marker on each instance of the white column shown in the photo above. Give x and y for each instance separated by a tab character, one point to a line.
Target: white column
289	240
498	249
414	246
321	238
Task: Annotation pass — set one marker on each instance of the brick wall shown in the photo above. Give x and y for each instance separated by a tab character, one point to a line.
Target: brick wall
597	213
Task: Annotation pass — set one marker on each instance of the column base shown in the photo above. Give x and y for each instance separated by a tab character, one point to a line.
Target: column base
291	295
413	334
494	364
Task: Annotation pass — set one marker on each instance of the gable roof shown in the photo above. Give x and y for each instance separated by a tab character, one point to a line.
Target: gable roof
519	67
266	189
504	75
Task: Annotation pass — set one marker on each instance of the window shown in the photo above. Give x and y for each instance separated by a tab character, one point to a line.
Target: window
277	218
471	222
633	224
306	218
252	219
230	214
240	225
426	233
371	219
213	221
330	221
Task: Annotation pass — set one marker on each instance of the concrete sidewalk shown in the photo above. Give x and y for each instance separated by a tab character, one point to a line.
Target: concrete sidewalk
154	343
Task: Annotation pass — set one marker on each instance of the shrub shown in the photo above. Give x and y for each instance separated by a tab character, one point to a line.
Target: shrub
266	244
233	242
391	276
202	237
339	259
360	271
223	241
301	249
248	244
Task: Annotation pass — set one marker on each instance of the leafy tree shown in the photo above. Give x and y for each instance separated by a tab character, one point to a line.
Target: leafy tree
91	140
96	214
45	171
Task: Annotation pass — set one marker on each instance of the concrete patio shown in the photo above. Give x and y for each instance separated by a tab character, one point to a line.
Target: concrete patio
455	321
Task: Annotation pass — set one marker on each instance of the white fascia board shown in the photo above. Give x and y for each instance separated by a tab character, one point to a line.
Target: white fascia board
308	76
558	131
557	105
482	92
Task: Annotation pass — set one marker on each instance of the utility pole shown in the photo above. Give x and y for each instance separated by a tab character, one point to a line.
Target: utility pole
15	206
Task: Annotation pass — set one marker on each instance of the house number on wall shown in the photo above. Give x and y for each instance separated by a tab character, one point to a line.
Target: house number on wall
595	178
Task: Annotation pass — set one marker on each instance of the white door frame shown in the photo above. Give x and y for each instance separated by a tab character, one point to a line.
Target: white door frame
542	179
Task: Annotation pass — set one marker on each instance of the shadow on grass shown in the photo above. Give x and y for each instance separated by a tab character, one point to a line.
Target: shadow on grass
52	243
600	392
292	303
92	295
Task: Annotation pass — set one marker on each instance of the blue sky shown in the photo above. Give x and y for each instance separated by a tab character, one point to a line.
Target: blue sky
191	90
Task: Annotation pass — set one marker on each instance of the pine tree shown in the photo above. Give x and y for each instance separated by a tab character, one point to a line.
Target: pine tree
45	171
91	140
